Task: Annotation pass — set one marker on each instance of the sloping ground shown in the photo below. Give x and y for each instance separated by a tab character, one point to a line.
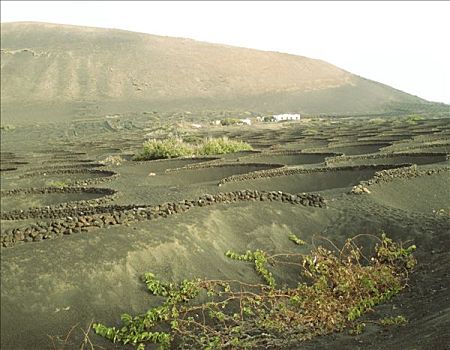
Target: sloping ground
119	64
26	201
98	275
72	71
430	196
85	274
404	208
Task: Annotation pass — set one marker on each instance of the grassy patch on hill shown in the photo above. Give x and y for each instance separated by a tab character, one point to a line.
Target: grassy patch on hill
173	148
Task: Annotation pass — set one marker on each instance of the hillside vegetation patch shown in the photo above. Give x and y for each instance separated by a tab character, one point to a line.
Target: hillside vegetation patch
174	148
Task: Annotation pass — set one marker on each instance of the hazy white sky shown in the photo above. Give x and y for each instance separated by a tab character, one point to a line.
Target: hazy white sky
403	44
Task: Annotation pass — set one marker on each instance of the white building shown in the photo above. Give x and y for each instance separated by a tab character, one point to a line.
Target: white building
246	121
283	117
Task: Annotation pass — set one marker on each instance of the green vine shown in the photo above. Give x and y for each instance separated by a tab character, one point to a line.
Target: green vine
296	240
399	320
335	290
259	258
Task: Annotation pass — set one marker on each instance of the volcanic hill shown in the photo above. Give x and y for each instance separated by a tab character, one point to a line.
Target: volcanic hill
61	70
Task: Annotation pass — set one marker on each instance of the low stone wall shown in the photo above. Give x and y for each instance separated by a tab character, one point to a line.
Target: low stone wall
358	143
326	155
107	175
87	219
68	154
210	165
7	155
428	146
75	166
385	176
8	169
343	158
43	212
292	153
13	162
68	171
70	161
174	159
412	171
286	171
425	144
44	190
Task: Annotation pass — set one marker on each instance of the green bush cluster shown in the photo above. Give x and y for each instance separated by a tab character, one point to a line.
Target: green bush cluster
336	288
7	127
412	119
173	148
230	121
222	146
162	149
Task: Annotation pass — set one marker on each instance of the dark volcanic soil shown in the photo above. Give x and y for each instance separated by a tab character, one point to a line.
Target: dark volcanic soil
59	268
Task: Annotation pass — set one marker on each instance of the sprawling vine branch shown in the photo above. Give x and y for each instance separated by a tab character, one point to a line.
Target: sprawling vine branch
334	290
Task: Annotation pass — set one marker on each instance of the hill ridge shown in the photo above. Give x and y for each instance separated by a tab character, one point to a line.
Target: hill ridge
47	64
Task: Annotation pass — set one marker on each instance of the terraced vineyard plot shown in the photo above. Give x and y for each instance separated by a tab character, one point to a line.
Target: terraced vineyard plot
57	178
287	159
390	159
215	174
79	256
187	177
25	201
160	166
307	182
359	148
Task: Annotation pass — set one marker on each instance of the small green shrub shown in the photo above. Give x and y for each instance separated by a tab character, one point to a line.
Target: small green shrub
399	320
413	119
160	149
229	121
173	148
7	127
222	146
